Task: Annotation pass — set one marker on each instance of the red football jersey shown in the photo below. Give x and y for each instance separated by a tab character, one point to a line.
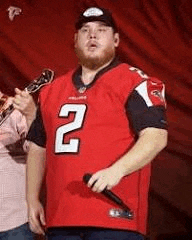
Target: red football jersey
88	130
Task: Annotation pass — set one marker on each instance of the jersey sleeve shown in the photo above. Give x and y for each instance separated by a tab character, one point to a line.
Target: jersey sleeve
37	132
146	106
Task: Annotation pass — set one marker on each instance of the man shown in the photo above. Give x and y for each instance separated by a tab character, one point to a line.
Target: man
87	122
13	148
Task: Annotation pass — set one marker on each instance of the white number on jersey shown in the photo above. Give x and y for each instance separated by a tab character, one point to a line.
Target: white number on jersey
73	145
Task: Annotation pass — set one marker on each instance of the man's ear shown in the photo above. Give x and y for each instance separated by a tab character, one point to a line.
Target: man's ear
116	39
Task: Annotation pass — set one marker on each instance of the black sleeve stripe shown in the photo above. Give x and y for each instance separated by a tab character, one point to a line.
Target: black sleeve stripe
141	116
36	132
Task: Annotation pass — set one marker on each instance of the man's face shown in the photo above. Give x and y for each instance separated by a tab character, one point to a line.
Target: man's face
95	44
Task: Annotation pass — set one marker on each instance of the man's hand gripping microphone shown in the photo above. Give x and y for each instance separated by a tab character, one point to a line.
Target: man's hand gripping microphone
126	211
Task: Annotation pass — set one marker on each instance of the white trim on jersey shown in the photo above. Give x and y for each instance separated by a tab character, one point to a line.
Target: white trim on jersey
163	91
142	90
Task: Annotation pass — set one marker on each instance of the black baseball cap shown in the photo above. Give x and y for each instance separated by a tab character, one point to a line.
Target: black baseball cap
96	14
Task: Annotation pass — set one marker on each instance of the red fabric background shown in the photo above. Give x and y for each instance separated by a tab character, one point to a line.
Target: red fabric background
156	36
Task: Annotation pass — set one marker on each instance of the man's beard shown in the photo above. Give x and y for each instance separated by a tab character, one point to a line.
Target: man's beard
95	63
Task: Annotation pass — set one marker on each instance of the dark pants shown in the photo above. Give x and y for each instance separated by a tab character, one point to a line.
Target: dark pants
91	234
20	233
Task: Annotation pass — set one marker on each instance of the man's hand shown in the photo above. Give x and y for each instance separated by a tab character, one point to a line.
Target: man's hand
106	178
36	217
24	102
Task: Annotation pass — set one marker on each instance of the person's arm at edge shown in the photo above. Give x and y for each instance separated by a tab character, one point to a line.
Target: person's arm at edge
24	102
150	142
35	176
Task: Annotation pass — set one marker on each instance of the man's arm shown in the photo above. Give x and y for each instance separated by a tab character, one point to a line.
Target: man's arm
147	115
35	175
150	142
24	102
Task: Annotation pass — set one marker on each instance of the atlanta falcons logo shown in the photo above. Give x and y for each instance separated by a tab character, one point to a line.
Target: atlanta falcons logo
13	11
158	94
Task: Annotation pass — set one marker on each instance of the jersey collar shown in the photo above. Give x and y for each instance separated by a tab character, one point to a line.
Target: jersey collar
76	78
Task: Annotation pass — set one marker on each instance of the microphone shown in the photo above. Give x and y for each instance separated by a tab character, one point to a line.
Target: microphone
111	196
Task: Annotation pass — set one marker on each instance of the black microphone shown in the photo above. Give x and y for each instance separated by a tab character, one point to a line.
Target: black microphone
110	195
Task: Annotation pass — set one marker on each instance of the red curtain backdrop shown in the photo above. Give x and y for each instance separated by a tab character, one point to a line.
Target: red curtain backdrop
156	36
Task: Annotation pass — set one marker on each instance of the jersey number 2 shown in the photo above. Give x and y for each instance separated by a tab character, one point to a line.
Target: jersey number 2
73	145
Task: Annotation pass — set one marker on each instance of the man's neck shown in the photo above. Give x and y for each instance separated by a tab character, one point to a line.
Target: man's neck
88	75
